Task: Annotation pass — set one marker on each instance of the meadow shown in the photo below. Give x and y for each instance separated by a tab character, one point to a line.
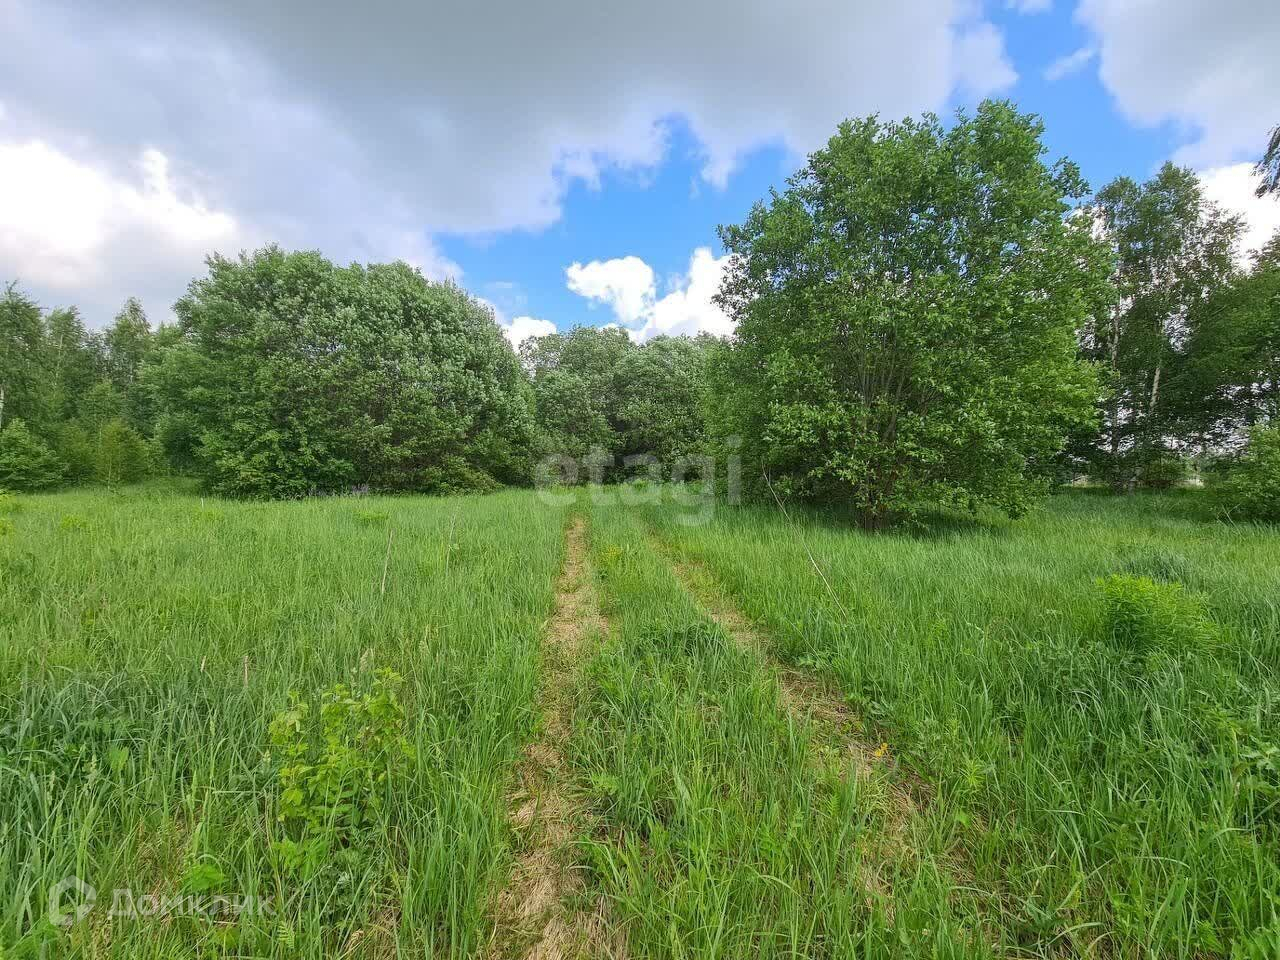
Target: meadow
592	724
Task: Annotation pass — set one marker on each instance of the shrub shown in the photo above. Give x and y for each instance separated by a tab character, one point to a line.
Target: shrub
336	762
1145	617
121	455
1249	488
26	462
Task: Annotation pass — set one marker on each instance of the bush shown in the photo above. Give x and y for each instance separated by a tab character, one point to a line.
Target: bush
26	462
1145	617
121	455
1249	488
335	765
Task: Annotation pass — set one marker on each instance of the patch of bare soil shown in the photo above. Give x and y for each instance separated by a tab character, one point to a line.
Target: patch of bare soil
540	914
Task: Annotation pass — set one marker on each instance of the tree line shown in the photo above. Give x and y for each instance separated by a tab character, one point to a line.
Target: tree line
925	314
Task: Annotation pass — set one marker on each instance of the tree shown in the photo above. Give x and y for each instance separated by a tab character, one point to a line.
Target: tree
599	395
23	384
75	362
26	462
1230	377
905	315
120	455
1268	167
576	389
1174	251
301	376
661	398
127	342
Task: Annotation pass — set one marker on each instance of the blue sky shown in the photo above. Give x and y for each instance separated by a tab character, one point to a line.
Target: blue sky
568	163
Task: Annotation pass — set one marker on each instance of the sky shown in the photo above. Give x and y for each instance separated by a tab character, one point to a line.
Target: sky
568	162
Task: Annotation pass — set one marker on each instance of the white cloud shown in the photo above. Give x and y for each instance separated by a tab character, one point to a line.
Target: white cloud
66	226
1070	63
981	66
366	129
1210	71
1232	187
522	328
628	285
1029	6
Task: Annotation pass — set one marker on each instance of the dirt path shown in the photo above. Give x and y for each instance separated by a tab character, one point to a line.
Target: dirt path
537	917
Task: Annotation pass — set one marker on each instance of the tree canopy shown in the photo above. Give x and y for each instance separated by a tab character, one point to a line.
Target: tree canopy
906	314
296	376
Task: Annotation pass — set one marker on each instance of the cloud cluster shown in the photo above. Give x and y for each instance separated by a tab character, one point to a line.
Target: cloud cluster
1211	71
364	129
68	225
627	285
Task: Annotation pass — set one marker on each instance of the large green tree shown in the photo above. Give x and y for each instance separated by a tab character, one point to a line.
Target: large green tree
297	375
906	314
1174	252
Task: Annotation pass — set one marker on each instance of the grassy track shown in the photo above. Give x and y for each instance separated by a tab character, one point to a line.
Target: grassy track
730	829
1121	807
939	745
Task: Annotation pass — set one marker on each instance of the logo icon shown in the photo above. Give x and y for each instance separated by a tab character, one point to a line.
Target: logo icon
70	900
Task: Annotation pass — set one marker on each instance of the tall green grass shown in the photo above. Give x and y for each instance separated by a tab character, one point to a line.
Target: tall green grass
147	640
730	828
1084	705
1124	796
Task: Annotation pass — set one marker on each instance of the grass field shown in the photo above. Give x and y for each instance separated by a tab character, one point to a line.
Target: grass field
504	726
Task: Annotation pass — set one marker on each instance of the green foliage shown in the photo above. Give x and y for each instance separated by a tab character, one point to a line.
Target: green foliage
1145	617
906	318
127	342
336	763
120	455
26	462
1162	471
74	446
100	405
1249	487
299	376
1174	253
23	386
601	398
9	503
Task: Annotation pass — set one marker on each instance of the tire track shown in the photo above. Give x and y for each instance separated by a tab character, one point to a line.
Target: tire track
537	914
